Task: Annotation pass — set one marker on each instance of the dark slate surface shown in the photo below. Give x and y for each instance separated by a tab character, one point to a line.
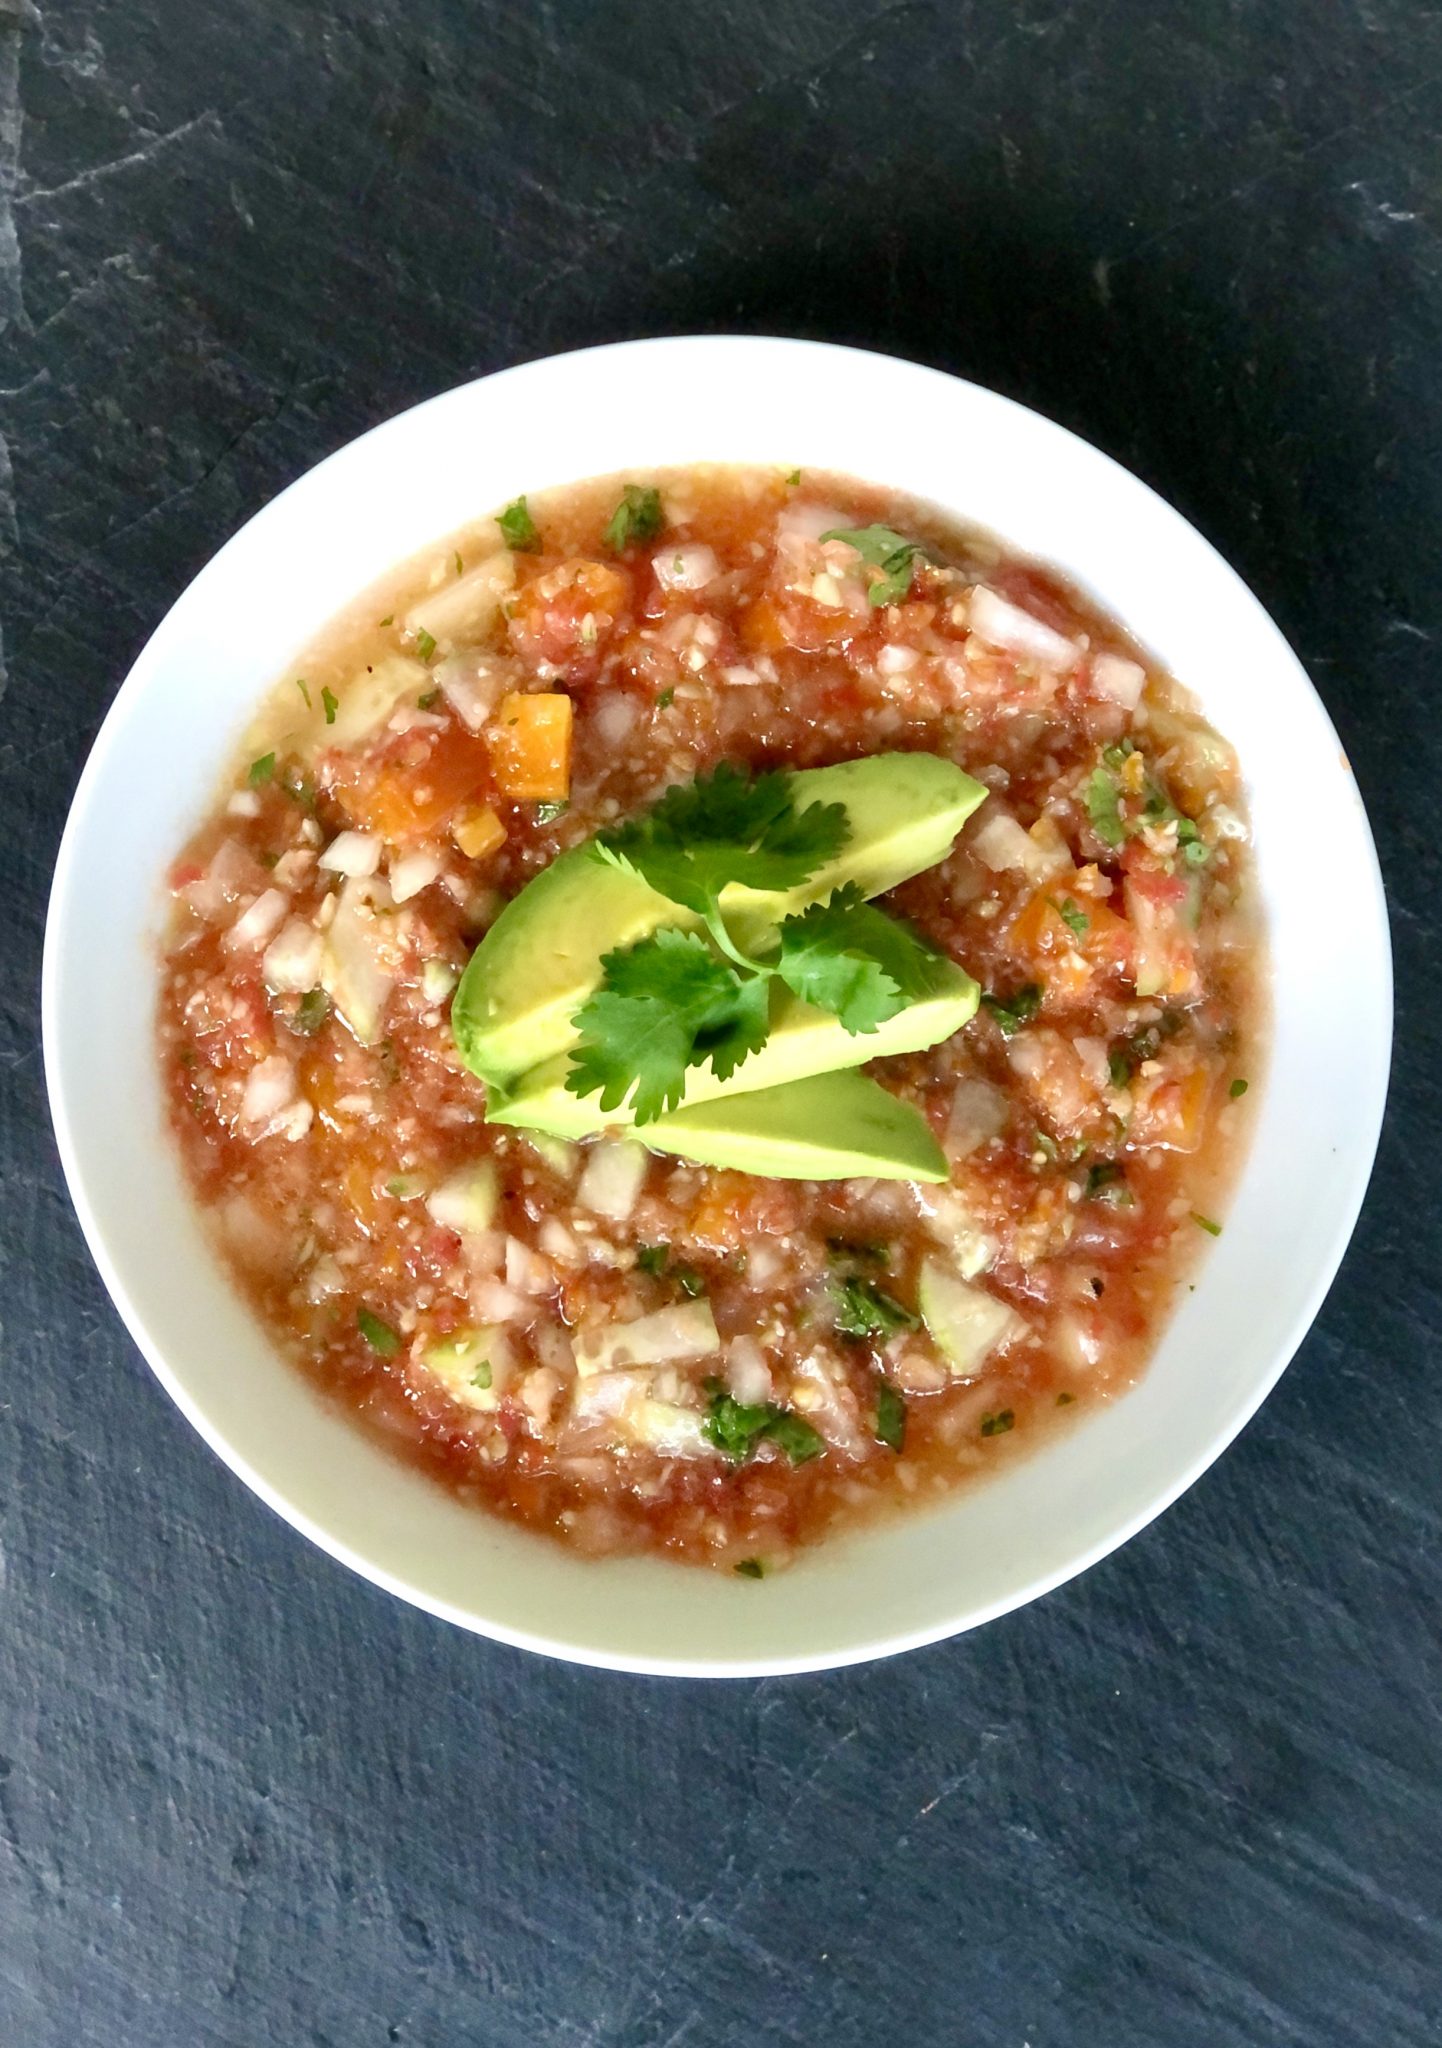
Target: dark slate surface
1193	1800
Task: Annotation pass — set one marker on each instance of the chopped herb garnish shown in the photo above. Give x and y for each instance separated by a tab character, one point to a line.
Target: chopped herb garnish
1011	1012
1105	1182
459	564
329	703
547	813
270	860
1065	1400
737	1428
638	517
481	1377
1115	754
750	1568
304	692
1205	1223
865	1310
848	958
389	619
843	1250
518	528
1046	1144
311	1011
666	699
1119	1067
260	770
794	478
1074	919
688	1280
1103	807
1237	1089
653	1258
382	1339
998	1425
428	700
425	643
890	1416
892	553
300	789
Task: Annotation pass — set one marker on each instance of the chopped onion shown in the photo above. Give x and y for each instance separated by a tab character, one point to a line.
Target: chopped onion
739	676
614	1174
352	853
1118	679
1092	1052
978	1113
271	1104
614	716
243	803
495	1303
257	924
473	684
466	1201
351	972
292	959
526	1271
895	661
411	873
747	1374
1004	625
438	979
685	568
1002	844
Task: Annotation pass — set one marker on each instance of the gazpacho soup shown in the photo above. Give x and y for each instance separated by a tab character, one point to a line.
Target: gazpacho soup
716	1004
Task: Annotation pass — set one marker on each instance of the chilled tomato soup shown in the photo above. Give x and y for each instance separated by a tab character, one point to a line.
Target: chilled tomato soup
715	1005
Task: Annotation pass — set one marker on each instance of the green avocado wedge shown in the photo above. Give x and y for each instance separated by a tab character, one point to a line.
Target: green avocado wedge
838	1126
517	1000
803	1042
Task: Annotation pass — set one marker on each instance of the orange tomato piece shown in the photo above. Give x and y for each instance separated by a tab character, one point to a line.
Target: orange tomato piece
412	793
477	831
530	746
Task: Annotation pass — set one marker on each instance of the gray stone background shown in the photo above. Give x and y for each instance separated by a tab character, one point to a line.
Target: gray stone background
1190	1801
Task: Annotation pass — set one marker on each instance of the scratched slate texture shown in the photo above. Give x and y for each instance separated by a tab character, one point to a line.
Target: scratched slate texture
1191	1801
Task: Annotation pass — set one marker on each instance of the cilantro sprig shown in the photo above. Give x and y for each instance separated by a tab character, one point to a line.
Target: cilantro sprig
639	516
890	552
673	1001
726	828
738	1429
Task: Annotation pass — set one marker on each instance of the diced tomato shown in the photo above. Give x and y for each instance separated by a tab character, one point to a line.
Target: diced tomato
567	616
736	1208
530	745
409	789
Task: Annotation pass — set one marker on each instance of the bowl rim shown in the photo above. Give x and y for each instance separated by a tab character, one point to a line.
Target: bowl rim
1324	1261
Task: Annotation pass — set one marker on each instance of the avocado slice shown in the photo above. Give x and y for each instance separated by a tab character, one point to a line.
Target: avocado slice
838	1126
542	957
803	1041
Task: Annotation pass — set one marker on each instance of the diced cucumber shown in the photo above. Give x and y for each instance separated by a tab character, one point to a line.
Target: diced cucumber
560	1156
686	1330
614	1172
473	1366
966	1323
467	1200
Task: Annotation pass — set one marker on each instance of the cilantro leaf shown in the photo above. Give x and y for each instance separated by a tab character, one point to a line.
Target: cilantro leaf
382	1339
865	1310
750	1568
518	528
664	1005
890	1416
1074	919
260	770
1102	800
725	828
738	1428
638	517
1014	1011
890	552
329	703
848	958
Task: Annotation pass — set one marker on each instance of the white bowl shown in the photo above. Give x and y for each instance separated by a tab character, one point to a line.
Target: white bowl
646	404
